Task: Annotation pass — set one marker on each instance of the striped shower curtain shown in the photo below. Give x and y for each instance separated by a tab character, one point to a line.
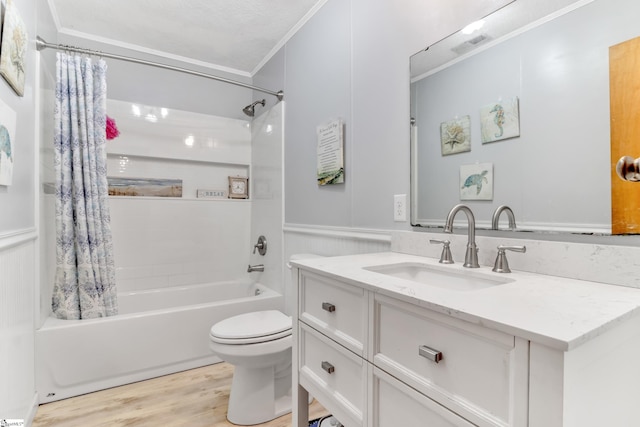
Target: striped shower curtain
84	284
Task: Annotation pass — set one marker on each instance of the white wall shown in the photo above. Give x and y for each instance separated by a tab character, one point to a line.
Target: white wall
267	130
160	241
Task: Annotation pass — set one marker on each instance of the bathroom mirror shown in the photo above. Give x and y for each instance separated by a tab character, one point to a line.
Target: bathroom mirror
533	84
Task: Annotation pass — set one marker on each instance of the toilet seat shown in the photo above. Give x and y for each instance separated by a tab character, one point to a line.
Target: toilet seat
251	328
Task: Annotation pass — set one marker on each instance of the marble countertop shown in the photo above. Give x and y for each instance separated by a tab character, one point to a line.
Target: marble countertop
557	312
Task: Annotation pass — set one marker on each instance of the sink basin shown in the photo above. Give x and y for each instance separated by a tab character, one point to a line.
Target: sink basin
441	277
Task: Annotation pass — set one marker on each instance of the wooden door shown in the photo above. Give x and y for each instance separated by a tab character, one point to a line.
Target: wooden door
624	82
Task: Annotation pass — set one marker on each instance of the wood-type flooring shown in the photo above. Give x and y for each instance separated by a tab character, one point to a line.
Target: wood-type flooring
194	398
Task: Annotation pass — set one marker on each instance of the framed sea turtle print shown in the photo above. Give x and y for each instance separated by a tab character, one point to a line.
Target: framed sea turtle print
476	181
13	48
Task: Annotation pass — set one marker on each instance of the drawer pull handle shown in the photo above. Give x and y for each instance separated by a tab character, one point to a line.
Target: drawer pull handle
327	306
430	353
328	367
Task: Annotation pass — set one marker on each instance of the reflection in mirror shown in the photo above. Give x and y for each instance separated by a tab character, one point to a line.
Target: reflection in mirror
534	106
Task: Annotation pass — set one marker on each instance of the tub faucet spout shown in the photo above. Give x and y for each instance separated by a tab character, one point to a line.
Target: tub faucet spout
257	267
471	256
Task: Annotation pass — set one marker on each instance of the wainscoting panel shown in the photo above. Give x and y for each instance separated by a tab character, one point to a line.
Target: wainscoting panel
17	324
329	241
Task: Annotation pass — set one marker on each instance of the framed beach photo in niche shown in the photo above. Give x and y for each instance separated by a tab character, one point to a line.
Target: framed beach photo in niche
476	181
13	48
455	135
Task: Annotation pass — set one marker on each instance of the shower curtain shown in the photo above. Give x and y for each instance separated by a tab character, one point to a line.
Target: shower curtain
84	284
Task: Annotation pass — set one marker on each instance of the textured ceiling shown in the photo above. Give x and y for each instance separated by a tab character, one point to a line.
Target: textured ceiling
227	34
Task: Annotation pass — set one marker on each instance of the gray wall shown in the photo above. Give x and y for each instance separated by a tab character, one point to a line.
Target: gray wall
18	200
351	61
147	85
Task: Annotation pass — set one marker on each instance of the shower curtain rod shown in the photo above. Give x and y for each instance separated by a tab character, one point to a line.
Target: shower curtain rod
41	44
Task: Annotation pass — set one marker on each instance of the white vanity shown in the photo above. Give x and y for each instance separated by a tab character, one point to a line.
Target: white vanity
397	340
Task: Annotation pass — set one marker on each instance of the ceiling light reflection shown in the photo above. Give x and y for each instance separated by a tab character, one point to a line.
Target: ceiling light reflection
471	28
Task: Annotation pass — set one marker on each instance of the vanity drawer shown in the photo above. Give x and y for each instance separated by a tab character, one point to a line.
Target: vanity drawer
396	404
335	309
332	374
482	374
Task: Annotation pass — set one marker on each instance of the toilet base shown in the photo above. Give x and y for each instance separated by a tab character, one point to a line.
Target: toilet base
256	398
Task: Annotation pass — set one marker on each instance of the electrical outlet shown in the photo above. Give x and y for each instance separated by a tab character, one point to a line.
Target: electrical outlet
400	207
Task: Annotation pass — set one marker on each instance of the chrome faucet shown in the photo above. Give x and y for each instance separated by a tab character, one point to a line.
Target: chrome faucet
496	217
257	267
471	256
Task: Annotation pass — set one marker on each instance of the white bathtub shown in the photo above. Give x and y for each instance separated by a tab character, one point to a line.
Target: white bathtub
156	333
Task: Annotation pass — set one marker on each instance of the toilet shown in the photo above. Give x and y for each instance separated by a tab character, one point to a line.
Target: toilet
258	344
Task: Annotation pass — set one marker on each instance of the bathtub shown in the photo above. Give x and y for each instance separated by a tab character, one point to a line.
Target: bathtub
156	332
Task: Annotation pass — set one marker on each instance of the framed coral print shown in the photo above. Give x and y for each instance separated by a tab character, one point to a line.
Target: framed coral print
7	143
455	135
500	120
13	49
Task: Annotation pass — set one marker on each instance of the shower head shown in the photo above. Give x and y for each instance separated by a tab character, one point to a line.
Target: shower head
249	110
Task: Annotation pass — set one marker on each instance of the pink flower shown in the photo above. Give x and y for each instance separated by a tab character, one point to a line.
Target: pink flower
112	129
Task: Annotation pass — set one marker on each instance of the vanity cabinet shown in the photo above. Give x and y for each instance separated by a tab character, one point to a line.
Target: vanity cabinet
370	359
537	352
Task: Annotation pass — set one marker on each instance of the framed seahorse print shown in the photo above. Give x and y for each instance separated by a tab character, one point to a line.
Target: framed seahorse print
500	120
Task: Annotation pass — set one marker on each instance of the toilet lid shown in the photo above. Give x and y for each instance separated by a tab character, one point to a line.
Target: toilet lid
258	326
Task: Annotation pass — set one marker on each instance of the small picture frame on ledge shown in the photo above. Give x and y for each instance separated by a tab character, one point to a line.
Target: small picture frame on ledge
238	187
211	194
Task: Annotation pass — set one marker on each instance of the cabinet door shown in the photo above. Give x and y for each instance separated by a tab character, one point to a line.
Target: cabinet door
335	309
480	373
394	404
333	375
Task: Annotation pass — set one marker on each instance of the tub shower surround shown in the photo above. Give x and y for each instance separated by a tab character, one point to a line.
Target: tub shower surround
174	277
157	332
161	242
